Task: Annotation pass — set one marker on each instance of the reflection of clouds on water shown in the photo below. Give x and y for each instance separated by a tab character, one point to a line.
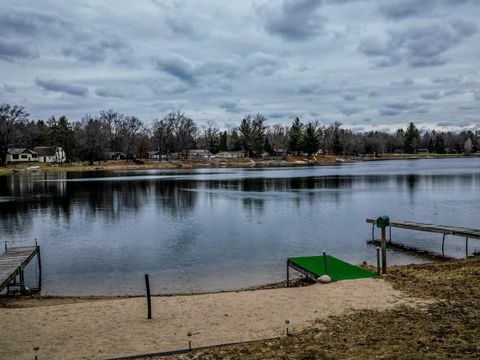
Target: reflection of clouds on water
195	224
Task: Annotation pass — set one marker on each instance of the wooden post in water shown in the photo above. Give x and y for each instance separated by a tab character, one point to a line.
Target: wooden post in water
149	301
384	251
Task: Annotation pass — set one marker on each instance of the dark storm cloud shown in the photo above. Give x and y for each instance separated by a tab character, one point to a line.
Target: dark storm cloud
292	19
14	51
398	107
431	95
110	93
216	72
418	46
95	48
61	86
401	9
348	96
232	107
27	22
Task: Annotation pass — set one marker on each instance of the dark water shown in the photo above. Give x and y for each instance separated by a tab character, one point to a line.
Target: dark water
215	229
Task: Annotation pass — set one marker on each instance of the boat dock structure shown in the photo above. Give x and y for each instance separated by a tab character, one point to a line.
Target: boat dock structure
445	230
12	268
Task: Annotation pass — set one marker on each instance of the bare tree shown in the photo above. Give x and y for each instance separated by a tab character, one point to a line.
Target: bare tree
10	118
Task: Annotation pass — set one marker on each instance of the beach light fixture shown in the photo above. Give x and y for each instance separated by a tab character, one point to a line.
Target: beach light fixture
287	323
35	350
189	336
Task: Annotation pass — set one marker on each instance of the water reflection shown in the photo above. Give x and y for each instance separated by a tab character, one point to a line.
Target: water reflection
173	223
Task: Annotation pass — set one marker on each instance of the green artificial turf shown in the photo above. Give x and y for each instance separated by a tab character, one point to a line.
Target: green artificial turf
336	268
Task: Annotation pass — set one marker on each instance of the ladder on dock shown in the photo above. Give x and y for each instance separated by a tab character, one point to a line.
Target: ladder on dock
12	267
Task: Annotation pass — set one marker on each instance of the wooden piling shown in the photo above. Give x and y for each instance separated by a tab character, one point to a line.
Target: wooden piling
149	301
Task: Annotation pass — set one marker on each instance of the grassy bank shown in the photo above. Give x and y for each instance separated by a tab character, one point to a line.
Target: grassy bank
448	327
219	163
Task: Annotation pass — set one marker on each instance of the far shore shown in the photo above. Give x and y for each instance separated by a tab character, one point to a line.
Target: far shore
290	161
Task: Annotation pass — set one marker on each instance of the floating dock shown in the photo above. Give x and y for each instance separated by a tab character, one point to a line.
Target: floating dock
12	265
314	266
457	231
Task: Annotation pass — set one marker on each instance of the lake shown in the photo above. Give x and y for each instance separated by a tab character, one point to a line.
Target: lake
222	229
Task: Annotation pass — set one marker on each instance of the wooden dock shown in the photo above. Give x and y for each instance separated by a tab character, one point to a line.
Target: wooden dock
456	231
12	265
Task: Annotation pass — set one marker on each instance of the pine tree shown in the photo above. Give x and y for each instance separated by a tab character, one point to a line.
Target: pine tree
295	136
310	142
412	136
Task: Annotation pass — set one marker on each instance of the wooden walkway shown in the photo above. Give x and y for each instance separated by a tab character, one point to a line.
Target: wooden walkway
12	264
457	231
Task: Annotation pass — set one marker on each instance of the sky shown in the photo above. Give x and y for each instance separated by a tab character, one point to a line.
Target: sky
371	65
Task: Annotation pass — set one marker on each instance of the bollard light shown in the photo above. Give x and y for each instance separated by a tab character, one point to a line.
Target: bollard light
35	350
189	335
287	322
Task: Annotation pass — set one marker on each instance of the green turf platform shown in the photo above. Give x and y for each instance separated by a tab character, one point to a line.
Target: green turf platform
336	268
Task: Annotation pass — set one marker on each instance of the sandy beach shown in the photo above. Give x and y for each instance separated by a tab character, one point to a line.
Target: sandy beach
118	327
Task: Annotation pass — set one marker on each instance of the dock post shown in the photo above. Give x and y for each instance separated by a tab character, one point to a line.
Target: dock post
22	281
466	246
149	301
378	260
373	232
39	261
325	263
384	251
288	273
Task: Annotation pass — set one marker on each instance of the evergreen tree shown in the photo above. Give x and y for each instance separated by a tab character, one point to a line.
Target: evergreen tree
295	137
310	141
412	136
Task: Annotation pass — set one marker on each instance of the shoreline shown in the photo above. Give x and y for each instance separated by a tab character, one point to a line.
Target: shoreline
290	162
416	302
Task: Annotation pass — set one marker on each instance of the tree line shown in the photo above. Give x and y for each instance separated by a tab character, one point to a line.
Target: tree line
96	137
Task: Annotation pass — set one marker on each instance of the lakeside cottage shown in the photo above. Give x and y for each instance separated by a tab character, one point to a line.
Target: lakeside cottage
17	155
199	154
50	154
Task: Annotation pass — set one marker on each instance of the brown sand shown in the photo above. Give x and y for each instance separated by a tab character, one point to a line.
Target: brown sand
109	328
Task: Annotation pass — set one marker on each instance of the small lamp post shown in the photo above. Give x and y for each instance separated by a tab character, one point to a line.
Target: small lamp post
35	350
189	336
287	323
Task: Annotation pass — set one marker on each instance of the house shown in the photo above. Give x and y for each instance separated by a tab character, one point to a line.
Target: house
231	154
16	155
50	154
199	154
154	155
116	155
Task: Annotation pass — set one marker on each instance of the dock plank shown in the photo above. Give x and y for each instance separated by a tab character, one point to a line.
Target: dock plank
12	261
442	229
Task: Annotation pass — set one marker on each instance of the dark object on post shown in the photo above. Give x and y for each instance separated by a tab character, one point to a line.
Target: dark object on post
382	223
149	301
287	323
189	334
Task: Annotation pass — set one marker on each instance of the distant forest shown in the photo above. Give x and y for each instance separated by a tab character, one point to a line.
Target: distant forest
96	136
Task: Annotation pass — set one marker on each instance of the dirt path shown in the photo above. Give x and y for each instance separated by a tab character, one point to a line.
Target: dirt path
102	329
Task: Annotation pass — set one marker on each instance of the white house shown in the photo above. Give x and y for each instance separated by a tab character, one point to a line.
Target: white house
199	154
16	155
50	154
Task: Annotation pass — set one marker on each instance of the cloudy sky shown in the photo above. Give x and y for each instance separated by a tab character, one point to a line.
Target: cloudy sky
369	64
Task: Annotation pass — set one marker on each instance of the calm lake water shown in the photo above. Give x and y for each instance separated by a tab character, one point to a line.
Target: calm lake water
220	229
